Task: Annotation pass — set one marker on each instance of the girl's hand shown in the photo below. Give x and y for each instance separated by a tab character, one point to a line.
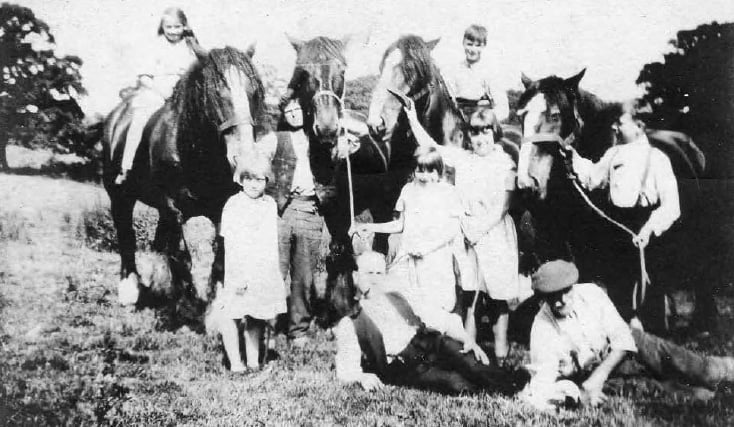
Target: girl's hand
359	228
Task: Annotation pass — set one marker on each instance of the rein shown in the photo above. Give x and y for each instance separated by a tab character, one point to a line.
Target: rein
564	145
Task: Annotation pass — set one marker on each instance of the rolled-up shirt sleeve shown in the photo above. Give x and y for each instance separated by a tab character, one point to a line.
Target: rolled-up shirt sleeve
666	185
348	358
593	175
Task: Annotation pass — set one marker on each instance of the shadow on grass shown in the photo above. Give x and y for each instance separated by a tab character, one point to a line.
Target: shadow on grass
78	171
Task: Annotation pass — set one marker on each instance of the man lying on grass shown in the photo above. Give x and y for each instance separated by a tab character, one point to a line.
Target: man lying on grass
579	336
405	341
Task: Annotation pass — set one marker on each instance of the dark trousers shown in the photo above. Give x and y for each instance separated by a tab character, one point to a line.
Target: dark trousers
666	360
434	361
299	238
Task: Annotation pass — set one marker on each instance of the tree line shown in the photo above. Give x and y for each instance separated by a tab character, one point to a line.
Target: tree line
691	90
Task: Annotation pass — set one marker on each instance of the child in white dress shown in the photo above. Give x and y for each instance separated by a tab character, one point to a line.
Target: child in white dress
429	219
169	58
254	290
485	179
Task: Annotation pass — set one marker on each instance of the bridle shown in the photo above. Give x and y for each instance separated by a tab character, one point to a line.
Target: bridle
325	89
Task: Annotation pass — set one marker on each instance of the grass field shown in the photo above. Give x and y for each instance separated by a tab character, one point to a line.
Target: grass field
70	355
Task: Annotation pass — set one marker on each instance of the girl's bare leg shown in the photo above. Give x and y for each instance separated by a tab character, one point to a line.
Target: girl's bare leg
253	337
230	336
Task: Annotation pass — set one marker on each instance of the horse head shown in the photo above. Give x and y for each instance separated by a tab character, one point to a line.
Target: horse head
549	114
408	69
318	84
221	99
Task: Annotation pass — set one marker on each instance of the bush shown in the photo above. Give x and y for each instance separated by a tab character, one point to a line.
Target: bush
97	230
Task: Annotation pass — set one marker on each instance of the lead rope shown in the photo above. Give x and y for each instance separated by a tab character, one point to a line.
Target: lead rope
644	282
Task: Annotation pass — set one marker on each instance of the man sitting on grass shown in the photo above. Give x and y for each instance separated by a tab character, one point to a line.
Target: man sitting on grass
579	336
405	341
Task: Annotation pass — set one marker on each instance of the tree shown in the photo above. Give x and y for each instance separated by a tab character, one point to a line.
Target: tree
692	90
38	90
359	92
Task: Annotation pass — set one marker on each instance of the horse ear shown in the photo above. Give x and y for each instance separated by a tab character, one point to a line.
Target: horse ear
250	52
573	82
432	43
296	43
526	81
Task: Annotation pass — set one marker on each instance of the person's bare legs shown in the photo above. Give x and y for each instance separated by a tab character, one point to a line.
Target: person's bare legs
230	337
253	337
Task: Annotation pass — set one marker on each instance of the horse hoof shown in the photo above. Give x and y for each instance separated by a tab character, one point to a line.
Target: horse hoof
127	290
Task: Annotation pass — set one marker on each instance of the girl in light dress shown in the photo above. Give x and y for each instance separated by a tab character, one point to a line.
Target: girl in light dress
429	211
485	180
169	58
254	291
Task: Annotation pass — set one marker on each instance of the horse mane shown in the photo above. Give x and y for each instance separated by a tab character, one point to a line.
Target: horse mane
340	288
197	97
420	70
319	50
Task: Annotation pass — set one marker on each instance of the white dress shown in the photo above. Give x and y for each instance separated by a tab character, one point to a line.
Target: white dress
250	230
483	183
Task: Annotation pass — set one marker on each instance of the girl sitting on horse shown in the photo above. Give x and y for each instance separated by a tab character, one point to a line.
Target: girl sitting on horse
172	55
485	179
254	290
429	212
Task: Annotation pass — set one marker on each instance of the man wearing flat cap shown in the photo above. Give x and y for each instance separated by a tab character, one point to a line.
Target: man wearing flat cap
579	336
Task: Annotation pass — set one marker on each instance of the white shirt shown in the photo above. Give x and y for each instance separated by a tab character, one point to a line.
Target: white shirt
302	176
560	348
622	169
472	81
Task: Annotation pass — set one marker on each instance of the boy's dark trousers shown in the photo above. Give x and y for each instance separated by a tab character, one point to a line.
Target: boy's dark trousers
434	361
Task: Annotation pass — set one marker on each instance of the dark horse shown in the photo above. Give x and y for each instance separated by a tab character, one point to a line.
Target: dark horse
378	169
184	164
565	226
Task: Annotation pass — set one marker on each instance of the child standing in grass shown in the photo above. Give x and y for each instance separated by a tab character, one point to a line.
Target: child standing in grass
254	291
485	179
429	210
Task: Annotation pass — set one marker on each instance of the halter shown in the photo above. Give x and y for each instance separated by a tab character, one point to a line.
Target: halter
323	90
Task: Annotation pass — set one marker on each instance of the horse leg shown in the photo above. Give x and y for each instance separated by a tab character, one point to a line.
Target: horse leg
122	216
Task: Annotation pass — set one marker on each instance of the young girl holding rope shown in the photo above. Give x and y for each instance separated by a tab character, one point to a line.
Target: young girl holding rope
429	212
485	180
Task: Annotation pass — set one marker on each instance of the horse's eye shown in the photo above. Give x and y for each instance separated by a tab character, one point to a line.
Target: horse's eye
555	117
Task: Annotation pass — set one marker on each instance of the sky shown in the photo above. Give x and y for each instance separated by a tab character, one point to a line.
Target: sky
611	39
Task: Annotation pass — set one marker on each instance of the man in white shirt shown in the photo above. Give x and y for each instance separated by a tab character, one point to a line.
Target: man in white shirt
578	335
405	341
474	82
643	191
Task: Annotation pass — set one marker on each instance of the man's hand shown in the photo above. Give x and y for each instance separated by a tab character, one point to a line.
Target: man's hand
642	238
370	382
479	354
346	146
592	394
